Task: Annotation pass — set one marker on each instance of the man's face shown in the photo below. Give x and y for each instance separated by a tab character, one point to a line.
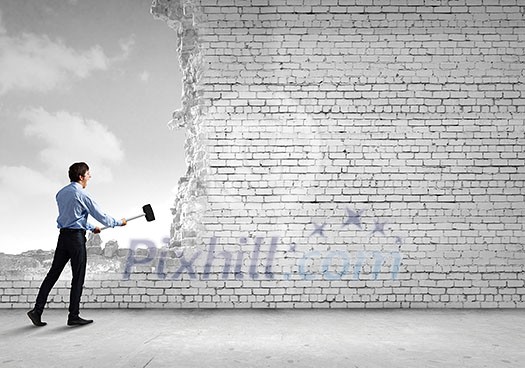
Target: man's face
84	179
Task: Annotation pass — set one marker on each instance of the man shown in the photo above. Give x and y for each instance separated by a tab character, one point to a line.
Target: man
74	206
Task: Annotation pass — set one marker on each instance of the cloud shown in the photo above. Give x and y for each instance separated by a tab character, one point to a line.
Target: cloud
25	180
22	187
27	202
37	63
126	45
70	138
33	62
144	76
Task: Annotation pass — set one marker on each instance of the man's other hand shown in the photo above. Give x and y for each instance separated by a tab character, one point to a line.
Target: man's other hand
96	230
124	222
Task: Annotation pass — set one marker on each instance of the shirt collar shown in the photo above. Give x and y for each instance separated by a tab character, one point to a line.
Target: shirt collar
76	185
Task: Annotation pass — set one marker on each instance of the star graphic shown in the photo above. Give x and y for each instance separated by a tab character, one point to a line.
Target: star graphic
379	227
353	218
319	229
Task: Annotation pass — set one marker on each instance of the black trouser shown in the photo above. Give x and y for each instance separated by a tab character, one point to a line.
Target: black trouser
71	246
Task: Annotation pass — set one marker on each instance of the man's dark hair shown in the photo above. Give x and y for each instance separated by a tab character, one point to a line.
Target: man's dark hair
77	170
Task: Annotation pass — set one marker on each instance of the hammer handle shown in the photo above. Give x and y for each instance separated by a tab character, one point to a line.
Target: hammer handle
135	217
129	219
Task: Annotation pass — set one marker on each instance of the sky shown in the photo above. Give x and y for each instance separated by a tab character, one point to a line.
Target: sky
93	81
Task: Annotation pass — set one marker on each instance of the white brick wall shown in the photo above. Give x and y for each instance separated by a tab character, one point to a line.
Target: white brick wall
380	142
408	111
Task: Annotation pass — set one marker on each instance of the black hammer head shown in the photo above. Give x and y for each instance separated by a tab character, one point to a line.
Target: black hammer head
148	211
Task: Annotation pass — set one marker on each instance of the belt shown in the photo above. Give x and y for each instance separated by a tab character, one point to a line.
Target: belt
69	231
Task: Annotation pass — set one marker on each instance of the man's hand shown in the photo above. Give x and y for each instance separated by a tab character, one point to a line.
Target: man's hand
96	230
124	222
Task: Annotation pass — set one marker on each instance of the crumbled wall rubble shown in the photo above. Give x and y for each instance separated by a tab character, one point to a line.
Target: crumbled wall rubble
190	201
37	262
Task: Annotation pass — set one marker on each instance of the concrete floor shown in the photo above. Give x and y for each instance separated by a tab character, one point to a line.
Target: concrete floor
266	338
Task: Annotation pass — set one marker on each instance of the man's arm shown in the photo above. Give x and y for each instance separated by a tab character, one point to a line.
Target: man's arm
97	230
95	211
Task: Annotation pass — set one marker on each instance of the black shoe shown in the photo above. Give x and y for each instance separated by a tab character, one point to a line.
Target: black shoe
34	316
77	321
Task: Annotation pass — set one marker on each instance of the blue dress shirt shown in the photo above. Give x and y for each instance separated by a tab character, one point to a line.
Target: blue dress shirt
74	206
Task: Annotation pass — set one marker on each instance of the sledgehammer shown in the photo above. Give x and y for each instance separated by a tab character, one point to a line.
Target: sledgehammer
148	212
